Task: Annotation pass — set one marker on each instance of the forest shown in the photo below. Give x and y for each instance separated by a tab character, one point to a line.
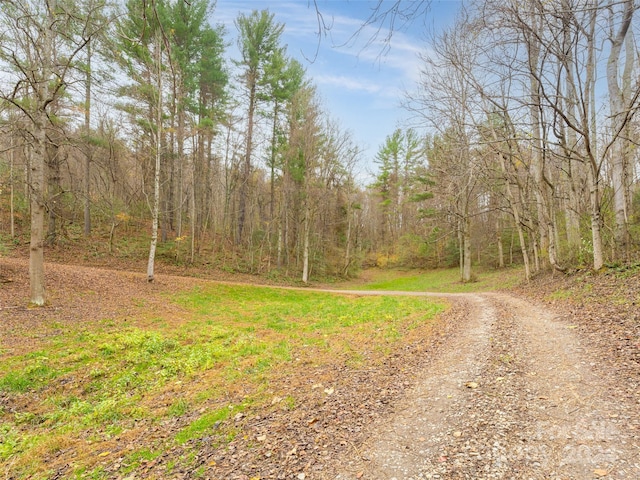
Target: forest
127	131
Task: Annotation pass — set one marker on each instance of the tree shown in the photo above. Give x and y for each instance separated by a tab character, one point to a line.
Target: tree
283	78
445	101
196	58
567	36
398	158
212	78
535	65
40	44
259	41
303	154
142	48
622	102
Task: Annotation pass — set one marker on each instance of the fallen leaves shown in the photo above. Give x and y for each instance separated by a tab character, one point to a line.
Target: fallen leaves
601	472
471	385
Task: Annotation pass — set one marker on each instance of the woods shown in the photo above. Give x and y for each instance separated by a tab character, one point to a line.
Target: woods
542	146
134	115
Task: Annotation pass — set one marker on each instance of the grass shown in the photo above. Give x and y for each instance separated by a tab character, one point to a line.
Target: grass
85	391
438	281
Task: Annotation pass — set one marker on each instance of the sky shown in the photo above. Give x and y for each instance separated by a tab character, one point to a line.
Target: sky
360	86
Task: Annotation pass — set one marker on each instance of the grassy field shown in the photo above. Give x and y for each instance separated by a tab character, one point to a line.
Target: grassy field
440	281
83	390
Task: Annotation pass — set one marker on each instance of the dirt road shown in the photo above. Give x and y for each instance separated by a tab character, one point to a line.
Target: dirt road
503	390
516	395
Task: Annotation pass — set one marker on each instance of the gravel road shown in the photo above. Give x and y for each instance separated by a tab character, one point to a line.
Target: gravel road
515	395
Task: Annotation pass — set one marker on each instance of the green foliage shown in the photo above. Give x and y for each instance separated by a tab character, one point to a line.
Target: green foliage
452	253
259	41
442	280
35	375
585	253
9	441
224	336
413	251
205	423
178	408
7	244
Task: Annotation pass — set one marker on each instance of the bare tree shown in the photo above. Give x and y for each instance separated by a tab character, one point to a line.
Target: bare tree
445	102
622	103
567	138
40	44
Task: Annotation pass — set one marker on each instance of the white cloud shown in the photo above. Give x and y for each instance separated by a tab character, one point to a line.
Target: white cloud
349	83
362	72
378	47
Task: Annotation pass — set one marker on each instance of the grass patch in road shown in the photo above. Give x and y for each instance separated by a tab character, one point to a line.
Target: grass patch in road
97	388
438	281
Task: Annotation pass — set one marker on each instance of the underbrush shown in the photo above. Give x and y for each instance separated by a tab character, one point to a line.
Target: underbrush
614	284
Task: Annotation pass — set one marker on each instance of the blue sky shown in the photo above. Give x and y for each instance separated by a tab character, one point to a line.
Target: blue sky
360	86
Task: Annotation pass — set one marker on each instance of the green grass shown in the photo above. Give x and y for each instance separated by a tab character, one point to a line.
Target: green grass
202	425
439	281
83	385
137	458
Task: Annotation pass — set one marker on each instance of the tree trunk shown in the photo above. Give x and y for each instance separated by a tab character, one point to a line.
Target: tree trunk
572	217
347	248
514	210
596	221
466	249
499	243
460	249
180	137
618	118
155	208
12	190
246	170
282	224
37	161
54	188
272	189
36	247
192	211
573	170
306	244
87	157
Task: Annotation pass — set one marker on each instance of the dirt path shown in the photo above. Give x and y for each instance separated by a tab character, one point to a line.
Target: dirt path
515	396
